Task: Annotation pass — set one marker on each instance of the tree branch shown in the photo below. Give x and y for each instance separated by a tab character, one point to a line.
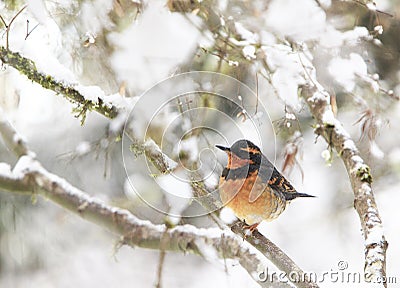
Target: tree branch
151	150
335	135
271	251
161	161
11	138
28	68
29	177
359	173
8	26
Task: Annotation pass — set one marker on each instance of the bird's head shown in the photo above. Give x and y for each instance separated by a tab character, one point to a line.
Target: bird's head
242	152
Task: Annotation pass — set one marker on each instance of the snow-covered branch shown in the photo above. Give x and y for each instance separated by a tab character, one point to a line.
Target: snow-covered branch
271	251
359	173
28	68
328	127
29	177
85	103
11	138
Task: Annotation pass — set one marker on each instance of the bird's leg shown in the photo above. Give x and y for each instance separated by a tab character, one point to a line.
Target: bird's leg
251	228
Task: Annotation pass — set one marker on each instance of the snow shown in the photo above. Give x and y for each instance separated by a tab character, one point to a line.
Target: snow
307	20
375	150
359	164
290	116
349	144
206	250
366	188
211	182
227	215
83	148
210	233
353	37
287	73
95	14
328	118
371	6
153	148
249	52
176	184
190	147
379	29
346	71
251	37
326	155
233	63
375	234
17	138
319	95
26	164
325	3
91	93
146	59
333	38
117	124
5	170
120	101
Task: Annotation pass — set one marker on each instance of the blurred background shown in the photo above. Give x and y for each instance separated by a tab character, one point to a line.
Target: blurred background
126	47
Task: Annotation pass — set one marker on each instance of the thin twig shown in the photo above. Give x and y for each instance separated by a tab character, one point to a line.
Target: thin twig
161	259
372	3
8	26
27	29
4	22
255	113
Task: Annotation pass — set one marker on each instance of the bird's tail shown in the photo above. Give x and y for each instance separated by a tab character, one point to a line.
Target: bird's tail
292	195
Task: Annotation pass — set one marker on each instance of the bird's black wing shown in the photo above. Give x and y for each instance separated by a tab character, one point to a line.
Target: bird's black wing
265	170
279	184
272	178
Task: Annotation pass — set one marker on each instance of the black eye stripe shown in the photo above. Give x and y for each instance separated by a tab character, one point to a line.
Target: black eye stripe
247	151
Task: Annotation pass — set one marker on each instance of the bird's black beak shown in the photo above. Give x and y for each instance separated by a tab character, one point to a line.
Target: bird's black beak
223	148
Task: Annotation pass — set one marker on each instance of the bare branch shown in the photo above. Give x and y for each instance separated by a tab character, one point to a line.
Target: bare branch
8	26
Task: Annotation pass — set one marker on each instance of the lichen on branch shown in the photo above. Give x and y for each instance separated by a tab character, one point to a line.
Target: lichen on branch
28	68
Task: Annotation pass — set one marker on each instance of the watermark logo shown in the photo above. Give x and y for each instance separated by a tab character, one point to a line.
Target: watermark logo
340	275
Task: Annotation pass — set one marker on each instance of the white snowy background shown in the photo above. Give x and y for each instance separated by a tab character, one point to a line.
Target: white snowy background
79	42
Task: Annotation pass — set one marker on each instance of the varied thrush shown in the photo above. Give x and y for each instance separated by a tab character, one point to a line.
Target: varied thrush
252	187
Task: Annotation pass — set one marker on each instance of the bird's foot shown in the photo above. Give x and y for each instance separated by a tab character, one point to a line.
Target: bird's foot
250	228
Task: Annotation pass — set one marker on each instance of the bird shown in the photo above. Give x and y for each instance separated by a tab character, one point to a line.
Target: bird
251	185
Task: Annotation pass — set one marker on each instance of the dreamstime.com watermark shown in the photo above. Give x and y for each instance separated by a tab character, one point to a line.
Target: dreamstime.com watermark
339	275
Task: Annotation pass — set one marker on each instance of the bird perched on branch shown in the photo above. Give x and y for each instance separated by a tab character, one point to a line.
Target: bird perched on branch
252	187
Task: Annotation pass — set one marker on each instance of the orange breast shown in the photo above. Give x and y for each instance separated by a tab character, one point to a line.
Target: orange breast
237	194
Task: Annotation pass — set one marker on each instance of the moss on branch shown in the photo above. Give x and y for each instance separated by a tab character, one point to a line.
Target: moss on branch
28	68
